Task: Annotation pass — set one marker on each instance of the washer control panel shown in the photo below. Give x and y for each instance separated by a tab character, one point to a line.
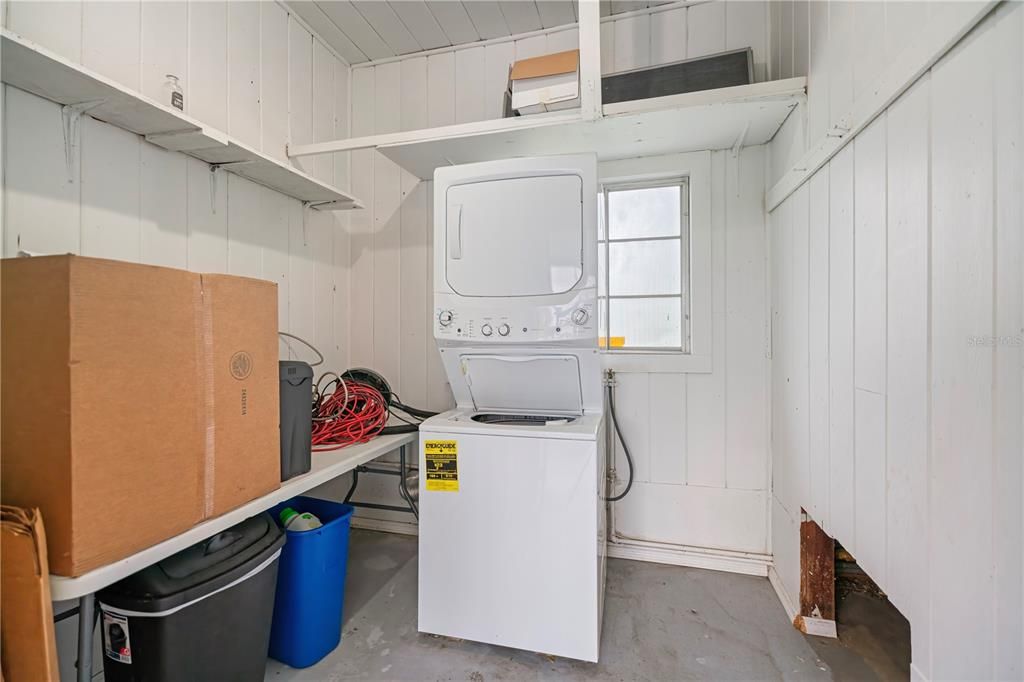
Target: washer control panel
576	320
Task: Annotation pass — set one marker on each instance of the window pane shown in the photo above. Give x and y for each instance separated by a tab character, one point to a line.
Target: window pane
646	322
647	212
644	268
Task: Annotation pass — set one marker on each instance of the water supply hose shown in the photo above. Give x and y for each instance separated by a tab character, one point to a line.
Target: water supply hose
618	432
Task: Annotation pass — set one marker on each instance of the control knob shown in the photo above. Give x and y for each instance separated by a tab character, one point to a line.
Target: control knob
486	329
580	316
504	330
445	317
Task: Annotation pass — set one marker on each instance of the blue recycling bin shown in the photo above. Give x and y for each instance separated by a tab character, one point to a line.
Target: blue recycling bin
310	584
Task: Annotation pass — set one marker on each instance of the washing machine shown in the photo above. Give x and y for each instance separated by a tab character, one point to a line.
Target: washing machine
512	521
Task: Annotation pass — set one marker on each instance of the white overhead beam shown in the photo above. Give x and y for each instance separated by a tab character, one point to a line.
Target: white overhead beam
590	59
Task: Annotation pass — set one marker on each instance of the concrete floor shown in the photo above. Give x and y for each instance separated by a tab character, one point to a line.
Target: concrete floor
660	623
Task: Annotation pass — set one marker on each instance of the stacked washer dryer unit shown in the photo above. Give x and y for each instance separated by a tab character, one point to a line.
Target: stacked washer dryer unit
512	520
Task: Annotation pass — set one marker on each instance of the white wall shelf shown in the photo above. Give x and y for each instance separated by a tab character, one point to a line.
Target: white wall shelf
724	118
32	68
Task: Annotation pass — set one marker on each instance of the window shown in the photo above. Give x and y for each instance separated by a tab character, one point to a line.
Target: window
643	282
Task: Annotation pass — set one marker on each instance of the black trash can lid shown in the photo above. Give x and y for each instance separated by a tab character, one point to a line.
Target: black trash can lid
200	569
294	371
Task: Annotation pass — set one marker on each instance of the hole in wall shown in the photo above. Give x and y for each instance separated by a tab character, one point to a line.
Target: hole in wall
873	640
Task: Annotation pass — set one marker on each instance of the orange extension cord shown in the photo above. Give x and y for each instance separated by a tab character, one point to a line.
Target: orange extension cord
353	413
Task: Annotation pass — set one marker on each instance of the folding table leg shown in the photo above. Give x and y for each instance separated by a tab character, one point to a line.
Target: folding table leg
86	627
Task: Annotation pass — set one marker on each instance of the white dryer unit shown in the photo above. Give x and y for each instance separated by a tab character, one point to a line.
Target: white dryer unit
512	524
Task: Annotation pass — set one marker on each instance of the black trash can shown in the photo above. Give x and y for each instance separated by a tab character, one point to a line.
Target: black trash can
202	614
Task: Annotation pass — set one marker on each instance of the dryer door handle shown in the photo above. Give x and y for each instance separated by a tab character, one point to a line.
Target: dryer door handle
455	232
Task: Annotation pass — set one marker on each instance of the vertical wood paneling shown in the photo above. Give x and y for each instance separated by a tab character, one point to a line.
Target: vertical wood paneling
297	269
705	447
667	428
705	24
962	307
110	191
840	59
110	40
746	25
55	25
470	99
164	41
416	299
322	236
534	46
920	247
245	219
801	29
869	58
632	42
300	91
283	260
41	206
244	71
797	328
560	41
1008	369
786	18
323	108
840	341
362	253
745	324
818	348
907	366
341	125
817	71
207	202
668	36
869	345
163	214
274	132
441	87
498	60
206	83
387	197
608	47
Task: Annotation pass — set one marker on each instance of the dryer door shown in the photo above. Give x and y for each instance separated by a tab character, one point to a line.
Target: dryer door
514	237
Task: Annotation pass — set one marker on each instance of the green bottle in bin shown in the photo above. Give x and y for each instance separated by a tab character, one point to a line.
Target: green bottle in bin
294	521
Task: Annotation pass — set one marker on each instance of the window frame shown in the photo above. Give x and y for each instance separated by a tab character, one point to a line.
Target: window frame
605	297
696	357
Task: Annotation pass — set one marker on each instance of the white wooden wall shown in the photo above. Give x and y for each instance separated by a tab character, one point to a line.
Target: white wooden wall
700	440
247	68
897	376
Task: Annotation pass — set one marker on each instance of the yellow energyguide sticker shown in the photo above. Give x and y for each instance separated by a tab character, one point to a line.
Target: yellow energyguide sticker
442	465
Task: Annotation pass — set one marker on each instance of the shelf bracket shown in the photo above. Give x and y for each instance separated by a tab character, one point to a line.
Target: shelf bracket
213	189
71	115
228	165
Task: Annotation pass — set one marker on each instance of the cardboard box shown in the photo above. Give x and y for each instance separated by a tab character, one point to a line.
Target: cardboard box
29	643
136	400
547	83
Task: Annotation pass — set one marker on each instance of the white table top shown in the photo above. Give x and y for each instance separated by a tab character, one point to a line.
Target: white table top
326	466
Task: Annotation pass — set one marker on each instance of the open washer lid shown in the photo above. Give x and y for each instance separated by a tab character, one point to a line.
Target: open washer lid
548	384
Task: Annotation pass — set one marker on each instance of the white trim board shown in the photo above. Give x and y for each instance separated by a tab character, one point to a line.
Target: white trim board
692	557
780	591
383	526
924	50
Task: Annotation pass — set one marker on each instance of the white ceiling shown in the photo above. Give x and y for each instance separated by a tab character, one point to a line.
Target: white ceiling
365	30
